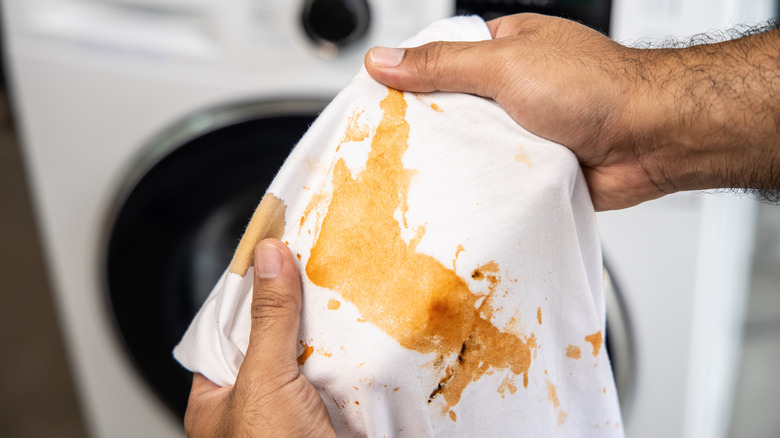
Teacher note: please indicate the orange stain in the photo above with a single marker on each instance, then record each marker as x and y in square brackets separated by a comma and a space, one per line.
[453, 416]
[552, 394]
[355, 131]
[334, 304]
[573, 351]
[458, 250]
[539, 315]
[507, 385]
[513, 323]
[307, 351]
[412, 297]
[316, 200]
[436, 108]
[596, 340]
[419, 232]
[523, 158]
[489, 270]
[531, 341]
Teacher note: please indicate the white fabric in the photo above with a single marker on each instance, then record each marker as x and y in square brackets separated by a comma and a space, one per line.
[481, 189]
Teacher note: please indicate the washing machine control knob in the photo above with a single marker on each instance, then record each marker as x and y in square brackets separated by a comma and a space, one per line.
[335, 22]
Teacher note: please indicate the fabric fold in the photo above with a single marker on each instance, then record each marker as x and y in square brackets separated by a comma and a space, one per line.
[451, 270]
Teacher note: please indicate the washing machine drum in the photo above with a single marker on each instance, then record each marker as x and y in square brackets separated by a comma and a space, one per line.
[184, 208]
[181, 214]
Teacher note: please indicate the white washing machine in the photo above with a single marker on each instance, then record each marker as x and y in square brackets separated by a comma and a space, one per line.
[682, 262]
[124, 106]
[151, 128]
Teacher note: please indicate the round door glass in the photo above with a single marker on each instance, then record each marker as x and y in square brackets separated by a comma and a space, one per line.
[179, 221]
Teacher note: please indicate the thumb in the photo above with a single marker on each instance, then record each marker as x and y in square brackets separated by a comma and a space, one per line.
[276, 314]
[464, 67]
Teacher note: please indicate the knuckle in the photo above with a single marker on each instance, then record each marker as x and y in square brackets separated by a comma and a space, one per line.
[498, 74]
[430, 63]
[270, 304]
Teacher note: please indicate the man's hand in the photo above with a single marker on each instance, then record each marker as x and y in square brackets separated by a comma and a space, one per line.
[643, 123]
[270, 397]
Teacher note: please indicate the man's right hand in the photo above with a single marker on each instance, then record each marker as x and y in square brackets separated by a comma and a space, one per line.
[643, 123]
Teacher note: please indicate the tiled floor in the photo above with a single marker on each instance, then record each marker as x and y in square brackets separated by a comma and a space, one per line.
[36, 394]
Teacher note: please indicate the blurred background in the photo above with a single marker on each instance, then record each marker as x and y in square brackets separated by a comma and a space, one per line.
[136, 137]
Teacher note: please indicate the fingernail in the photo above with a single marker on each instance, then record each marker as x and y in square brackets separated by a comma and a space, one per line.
[268, 261]
[386, 57]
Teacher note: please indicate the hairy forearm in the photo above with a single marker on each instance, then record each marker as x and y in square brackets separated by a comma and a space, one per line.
[709, 115]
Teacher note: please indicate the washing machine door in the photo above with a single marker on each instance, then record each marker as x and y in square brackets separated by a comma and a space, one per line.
[177, 220]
